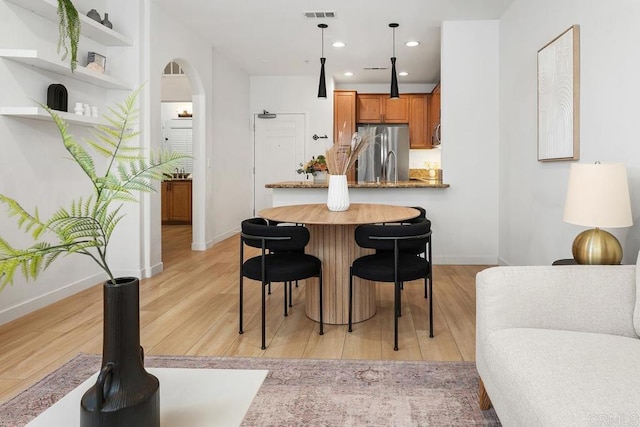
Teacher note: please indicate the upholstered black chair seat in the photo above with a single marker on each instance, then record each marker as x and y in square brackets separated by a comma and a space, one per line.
[380, 267]
[283, 266]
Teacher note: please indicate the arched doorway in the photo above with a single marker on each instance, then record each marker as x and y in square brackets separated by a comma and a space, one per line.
[182, 128]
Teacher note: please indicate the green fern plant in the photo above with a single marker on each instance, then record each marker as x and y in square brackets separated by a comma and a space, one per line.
[86, 226]
[69, 29]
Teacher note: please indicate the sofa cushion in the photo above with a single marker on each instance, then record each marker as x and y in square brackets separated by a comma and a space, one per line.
[563, 378]
[636, 312]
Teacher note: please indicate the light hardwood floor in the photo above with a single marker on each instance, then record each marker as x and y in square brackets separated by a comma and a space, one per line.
[192, 309]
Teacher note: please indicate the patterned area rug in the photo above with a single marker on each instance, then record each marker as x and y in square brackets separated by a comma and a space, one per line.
[303, 392]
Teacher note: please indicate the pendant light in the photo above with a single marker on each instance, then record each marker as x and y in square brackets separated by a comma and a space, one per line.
[322, 86]
[394, 93]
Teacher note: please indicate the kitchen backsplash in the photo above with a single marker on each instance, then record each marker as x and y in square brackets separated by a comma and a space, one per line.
[422, 159]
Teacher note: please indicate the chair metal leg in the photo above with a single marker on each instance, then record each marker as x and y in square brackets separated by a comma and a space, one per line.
[240, 331]
[396, 303]
[350, 296]
[291, 294]
[425, 288]
[431, 308]
[264, 317]
[321, 308]
[284, 286]
[269, 288]
[400, 299]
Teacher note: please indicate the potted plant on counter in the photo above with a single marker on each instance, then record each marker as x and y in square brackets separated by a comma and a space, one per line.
[125, 394]
[317, 167]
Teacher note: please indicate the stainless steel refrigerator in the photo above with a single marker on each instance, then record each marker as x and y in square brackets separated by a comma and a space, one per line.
[377, 161]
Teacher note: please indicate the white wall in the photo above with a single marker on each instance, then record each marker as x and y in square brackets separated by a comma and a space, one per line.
[465, 216]
[33, 165]
[532, 193]
[297, 95]
[221, 195]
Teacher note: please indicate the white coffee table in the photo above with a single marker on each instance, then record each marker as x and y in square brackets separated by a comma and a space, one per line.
[188, 397]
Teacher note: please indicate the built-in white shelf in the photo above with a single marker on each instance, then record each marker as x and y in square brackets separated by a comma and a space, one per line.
[35, 59]
[88, 27]
[39, 113]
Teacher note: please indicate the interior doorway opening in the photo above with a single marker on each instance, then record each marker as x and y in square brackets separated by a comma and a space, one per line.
[177, 109]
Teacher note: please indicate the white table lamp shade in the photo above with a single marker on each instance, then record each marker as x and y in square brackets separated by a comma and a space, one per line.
[598, 196]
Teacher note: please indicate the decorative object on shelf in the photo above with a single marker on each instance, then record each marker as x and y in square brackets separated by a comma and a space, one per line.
[86, 228]
[57, 97]
[314, 166]
[87, 110]
[559, 98]
[598, 196]
[69, 29]
[96, 62]
[394, 93]
[125, 394]
[79, 109]
[184, 114]
[94, 112]
[338, 194]
[106, 21]
[322, 86]
[93, 14]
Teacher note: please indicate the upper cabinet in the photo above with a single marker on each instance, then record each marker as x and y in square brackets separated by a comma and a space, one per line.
[379, 108]
[434, 115]
[419, 133]
[344, 114]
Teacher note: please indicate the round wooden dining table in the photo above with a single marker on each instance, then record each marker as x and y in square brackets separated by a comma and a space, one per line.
[332, 241]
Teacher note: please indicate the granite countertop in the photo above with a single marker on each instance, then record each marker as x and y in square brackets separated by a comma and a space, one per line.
[414, 183]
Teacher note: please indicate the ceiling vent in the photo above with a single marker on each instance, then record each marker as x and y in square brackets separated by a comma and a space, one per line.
[320, 15]
[374, 68]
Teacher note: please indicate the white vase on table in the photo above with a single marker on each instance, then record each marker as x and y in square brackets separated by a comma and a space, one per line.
[338, 194]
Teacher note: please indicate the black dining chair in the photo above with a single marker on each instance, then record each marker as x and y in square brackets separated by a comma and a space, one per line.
[282, 259]
[426, 254]
[397, 259]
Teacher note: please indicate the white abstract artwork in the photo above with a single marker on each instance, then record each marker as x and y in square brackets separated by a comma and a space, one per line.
[559, 97]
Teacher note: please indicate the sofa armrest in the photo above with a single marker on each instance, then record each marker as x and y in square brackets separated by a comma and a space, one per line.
[578, 298]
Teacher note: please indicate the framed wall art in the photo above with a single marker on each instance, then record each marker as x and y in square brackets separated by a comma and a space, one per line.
[559, 97]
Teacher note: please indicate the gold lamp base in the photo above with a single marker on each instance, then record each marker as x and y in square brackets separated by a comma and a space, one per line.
[598, 247]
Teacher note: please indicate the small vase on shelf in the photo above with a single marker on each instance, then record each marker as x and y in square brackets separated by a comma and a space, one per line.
[106, 21]
[338, 194]
[93, 14]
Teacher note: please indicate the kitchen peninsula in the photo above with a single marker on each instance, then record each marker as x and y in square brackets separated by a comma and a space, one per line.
[407, 193]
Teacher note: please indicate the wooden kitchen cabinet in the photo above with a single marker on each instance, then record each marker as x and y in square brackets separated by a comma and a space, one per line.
[379, 108]
[344, 114]
[434, 114]
[176, 202]
[419, 132]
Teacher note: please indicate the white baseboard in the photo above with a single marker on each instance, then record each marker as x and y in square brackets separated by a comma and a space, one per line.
[153, 270]
[203, 246]
[26, 307]
[465, 260]
[502, 261]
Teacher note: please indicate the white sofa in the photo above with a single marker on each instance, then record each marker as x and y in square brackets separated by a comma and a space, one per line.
[560, 345]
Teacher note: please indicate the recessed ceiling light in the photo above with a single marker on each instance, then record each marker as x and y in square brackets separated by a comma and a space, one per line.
[348, 74]
[412, 43]
[403, 73]
[265, 61]
[338, 44]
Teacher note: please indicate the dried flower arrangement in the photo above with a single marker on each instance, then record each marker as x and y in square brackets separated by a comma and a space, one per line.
[341, 157]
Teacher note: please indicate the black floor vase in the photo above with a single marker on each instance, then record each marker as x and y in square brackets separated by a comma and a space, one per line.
[125, 395]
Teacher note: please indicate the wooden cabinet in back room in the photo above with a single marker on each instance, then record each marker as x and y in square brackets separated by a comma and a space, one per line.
[176, 202]
[344, 114]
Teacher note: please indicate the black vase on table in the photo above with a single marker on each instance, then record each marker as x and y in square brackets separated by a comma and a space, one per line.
[124, 394]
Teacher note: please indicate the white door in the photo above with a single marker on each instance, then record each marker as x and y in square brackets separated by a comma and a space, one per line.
[278, 151]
